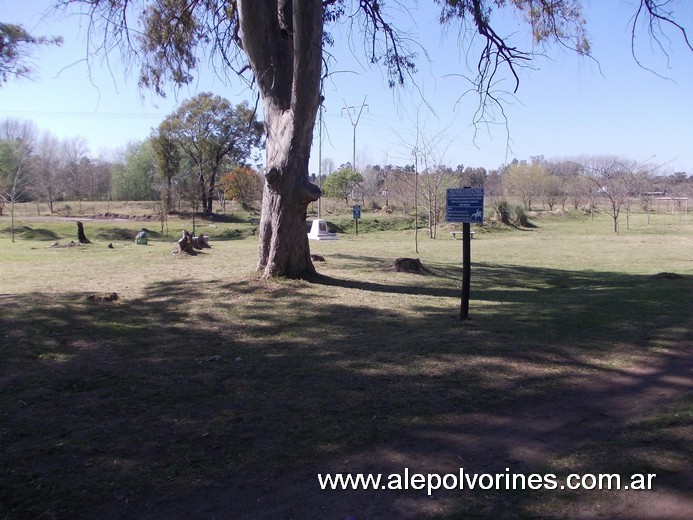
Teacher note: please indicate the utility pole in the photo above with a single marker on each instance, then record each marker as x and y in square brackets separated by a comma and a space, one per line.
[415, 153]
[354, 124]
[320, 162]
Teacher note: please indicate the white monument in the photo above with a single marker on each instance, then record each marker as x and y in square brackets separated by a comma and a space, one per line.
[319, 231]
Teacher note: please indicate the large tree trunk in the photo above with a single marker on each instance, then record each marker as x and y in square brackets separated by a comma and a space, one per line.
[210, 194]
[283, 42]
[202, 188]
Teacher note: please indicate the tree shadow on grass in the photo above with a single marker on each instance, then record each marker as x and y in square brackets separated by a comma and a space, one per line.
[227, 400]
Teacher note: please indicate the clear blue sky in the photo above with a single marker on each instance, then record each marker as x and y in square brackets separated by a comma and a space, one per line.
[566, 107]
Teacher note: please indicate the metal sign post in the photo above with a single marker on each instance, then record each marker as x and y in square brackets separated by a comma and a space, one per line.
[465, 205]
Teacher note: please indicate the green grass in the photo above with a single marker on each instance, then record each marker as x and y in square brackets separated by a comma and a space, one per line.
[202, 377]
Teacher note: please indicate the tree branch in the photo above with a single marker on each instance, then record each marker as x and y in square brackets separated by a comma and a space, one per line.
[657, 15]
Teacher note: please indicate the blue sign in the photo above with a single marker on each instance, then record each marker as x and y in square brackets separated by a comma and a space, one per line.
[465, 205]
[357, 211]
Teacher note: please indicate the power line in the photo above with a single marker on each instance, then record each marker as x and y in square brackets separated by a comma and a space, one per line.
[80, 115]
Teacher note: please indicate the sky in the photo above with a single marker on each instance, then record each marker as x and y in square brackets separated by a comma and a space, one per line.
[566, 106]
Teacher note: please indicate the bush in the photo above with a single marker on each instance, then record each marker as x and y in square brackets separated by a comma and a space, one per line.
[502, 211]
[511, 215]
[520, 218]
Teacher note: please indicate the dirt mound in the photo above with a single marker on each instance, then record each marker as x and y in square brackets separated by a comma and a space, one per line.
[116, 216]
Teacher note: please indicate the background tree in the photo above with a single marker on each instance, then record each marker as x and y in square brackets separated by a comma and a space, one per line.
[433, 183]
[493, 185]
[242, 184]
[399, 184]
[75, 155]
[372, 185]
[573, 183]
[19, 140]
[614, 180]
[212, 132]
[15, 155]
[280, 42]
[46, 182]
[526, 181]
[167, 163]
[474, 177]
[551, 191]
[342, 183]
[133, 176]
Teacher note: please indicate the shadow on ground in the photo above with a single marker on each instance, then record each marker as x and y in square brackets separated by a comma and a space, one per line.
[226, 401]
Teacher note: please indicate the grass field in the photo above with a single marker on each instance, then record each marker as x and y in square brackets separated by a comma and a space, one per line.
[205, 392]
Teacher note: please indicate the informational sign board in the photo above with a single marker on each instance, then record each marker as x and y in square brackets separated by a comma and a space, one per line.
[356, 209]
[465, 205]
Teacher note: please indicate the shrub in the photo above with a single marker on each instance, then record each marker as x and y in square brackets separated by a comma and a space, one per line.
[502, 211]
[519, 216]
[511, 215]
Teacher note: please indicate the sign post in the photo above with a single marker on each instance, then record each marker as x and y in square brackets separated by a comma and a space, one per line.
[356, 209]
[465, 205]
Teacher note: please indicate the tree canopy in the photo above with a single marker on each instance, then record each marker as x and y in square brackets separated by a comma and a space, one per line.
[210, 131]
[342, 183]
[242, 184]
[132, 179]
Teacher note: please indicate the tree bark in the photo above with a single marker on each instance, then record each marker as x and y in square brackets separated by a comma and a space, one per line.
[283, 42]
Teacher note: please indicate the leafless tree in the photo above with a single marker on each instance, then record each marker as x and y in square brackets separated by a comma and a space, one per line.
[17, 168]
[46, 182]
[614, 180]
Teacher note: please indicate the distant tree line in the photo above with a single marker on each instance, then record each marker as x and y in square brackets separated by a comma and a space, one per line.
[610, 183]
[181, 163]
[203, 150]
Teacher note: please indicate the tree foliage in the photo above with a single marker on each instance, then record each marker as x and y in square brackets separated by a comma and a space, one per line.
[242, 184]
[211, 132]
[167, 162]
[17, 142]
[342, 184]
[133, 176]
[15, 50]
[15, 155]
[526, 180]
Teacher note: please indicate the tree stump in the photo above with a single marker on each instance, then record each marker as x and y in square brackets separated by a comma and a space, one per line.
[81, 237]
[408, 265]
[201, 242]
[185, 244]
